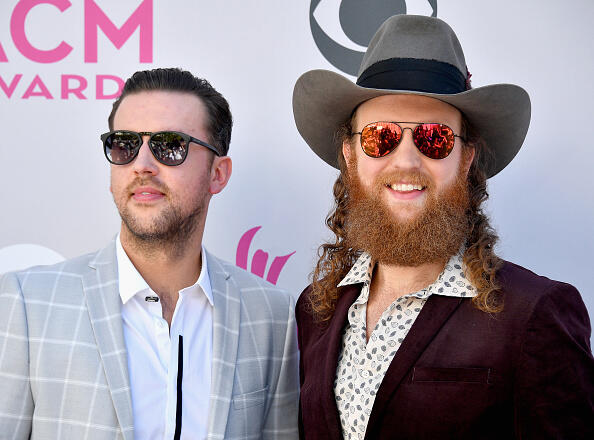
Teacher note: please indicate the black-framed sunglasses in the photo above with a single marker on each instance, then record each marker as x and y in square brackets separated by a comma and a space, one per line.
[169, 147]
[434, 140]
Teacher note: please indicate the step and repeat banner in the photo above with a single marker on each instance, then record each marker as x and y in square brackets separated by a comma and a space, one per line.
[63, 62]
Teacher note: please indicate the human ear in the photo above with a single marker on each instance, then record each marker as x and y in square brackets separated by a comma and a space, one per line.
[220, 172]
[468, 156]
[346, 150]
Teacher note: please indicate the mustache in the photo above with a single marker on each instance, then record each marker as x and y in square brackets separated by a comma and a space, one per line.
[413, 177]
[390, 176]
[147, 181]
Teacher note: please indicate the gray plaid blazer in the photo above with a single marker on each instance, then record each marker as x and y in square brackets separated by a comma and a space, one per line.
[63, 360]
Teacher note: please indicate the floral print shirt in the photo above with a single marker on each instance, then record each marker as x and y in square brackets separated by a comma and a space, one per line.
[362, 364]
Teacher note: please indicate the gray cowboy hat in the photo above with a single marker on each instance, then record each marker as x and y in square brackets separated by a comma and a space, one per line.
[414, 55]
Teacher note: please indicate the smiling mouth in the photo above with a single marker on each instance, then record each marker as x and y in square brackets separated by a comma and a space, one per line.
[406, 187]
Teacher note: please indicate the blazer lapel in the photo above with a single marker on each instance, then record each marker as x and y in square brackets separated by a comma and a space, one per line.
[328, 347]
[225, 339]
[100, 285]
[433, 316]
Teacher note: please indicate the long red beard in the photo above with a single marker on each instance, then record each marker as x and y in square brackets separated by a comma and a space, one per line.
[433, 235]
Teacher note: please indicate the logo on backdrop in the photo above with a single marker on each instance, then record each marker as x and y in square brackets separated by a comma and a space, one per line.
[21, 256]
[260, 258]
[73, 86]
[342, 29]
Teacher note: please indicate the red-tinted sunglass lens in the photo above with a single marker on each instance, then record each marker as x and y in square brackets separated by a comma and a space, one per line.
[380, 138]
[435, 141]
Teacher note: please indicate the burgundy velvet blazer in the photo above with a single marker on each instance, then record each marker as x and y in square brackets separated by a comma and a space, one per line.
[525, 373]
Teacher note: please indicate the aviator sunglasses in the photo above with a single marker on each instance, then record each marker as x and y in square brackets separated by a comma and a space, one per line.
[436, 141]
[169, 147]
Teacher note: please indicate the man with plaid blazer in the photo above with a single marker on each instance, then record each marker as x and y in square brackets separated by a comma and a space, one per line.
[152, 336]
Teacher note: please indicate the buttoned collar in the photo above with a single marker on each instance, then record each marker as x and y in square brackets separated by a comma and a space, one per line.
[131, 282]
[450, 282]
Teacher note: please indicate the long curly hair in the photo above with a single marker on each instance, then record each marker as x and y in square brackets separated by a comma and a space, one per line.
[482, 264]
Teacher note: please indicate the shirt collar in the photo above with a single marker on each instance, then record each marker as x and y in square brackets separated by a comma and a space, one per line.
[360, 272]
[131, 282]
[450, 282]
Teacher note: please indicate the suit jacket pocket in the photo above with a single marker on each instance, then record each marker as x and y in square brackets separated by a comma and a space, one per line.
[252, 398]
[459, 375]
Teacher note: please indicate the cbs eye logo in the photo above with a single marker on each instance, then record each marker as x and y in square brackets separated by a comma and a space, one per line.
[342, 29]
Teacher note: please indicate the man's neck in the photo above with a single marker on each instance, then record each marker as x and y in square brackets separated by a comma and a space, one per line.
[392, 282]
[165, 269]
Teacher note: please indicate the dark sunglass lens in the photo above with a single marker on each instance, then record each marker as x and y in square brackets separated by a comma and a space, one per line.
[380, 139]
[435, 141]
[121, 147]
[169, 148]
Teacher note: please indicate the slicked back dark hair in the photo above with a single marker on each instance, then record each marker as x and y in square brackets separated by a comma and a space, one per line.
[173, 79]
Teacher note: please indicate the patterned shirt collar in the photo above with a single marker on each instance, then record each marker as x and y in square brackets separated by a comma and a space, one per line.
[450, 282]
[360, 272]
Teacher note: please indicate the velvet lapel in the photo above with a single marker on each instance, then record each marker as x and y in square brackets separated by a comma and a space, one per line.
[435, 313]
[328, 347]
[100, 285]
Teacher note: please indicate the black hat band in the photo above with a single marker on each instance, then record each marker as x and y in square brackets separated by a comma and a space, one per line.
[428, 76]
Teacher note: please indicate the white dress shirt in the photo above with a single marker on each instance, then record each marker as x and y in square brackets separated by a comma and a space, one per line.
[362, 364]
[153, 354]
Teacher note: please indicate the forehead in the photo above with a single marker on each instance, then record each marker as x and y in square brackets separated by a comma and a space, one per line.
[407, 108]
[161, 110]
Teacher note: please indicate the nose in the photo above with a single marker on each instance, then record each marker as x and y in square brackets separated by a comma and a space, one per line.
[406, 155]
[145, 162]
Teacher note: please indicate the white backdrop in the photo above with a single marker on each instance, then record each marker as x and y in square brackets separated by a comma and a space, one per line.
[54, 178]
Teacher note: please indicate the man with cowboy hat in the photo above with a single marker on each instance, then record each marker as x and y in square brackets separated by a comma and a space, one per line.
[413, 327]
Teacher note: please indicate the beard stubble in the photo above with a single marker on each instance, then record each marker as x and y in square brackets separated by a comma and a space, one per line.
[170, 231]
[433, 235]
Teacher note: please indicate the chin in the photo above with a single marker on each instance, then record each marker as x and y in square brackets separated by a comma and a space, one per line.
[140, 224]
[406, 217]
[405, 212]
